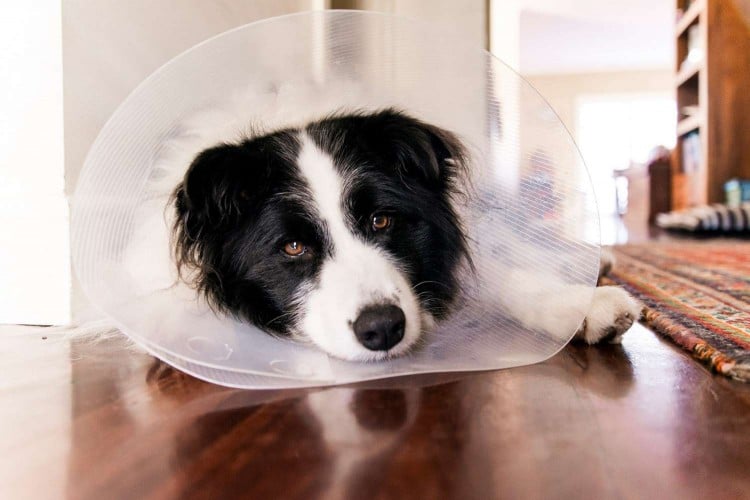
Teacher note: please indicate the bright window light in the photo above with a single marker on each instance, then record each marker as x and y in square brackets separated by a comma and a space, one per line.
[616, 132]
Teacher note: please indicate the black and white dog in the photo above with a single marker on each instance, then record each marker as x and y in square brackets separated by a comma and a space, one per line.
[342, 232]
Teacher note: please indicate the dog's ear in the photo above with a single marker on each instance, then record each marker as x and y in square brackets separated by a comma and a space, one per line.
[449, 153]
[219, 184]
[420, 150]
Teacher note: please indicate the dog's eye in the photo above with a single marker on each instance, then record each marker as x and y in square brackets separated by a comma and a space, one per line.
[380, 222]
[295, 248]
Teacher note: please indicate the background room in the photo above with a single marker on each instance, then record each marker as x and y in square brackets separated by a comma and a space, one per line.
[608, 73]
[653, 94]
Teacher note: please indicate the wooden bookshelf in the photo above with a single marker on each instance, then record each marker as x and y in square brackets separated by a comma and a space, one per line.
[713, 99]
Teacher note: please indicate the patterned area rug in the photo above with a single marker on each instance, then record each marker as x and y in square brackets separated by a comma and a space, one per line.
[696, 293]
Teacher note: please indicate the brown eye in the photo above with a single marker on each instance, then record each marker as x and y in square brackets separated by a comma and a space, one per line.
[294, 249]
[380, 222]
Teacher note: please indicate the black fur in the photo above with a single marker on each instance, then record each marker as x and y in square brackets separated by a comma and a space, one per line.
[240, 203]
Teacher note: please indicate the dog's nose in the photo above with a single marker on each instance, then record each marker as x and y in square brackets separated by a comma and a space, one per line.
[379, 328]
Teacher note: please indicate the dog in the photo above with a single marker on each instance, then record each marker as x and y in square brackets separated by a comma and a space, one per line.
[344, 232]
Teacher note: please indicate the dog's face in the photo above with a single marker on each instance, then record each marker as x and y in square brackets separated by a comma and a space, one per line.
[342, 233]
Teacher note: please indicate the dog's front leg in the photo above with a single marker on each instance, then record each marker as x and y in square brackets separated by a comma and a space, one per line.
[613, 310]
[541, 301]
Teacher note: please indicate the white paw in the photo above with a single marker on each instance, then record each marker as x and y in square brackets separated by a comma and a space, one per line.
[612, 313]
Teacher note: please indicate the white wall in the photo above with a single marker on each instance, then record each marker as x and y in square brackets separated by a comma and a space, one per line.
[562, 91]
[110, 46]
[467, 18]
[574, 36]
[34, 257]
[505, 31]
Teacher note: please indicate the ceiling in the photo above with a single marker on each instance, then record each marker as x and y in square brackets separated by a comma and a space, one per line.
[579, 36]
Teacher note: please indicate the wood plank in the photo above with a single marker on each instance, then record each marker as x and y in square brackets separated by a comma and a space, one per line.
[689, 17]
[687, 73]
[689, 124]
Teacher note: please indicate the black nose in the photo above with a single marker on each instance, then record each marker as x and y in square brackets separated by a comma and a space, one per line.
[380, 327]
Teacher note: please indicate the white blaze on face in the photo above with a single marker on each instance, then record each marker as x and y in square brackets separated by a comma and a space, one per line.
[358, 275]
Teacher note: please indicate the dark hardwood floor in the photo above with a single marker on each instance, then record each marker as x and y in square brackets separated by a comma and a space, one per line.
[641, 420]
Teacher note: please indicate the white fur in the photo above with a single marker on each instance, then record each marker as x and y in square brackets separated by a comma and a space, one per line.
[358, 274]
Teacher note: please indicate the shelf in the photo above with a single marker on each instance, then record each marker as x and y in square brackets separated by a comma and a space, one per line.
[688, 73]
[690, 16]
[712, 99]
[687, 125]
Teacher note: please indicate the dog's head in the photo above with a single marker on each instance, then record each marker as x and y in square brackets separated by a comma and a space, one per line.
[343, 232]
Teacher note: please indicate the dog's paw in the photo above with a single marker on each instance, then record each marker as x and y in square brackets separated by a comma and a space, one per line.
[613, 311]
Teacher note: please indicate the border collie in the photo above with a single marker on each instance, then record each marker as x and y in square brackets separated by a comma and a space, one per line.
[342, 232]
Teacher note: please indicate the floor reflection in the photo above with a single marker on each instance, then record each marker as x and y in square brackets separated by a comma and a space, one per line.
[361, 428]
[151, 430]
[605, 369]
